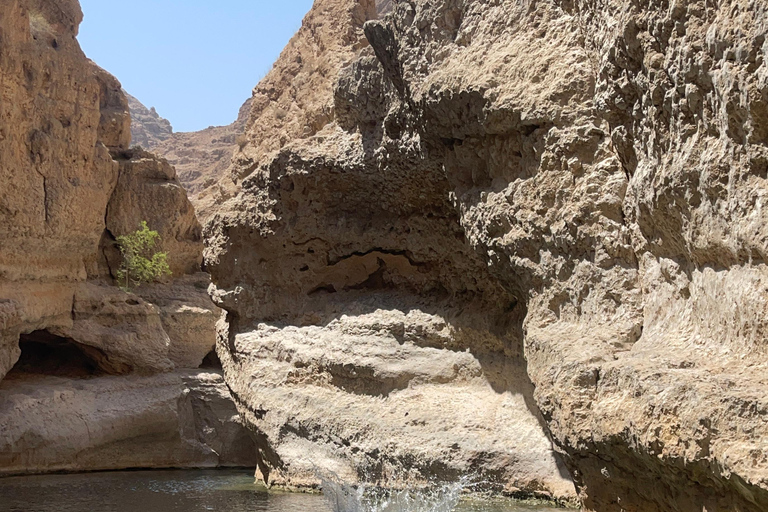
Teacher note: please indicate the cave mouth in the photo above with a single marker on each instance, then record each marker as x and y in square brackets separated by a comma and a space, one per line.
[43, 353]
[211, 361]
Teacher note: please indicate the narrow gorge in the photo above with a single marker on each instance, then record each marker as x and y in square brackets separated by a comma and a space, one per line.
[520, 241]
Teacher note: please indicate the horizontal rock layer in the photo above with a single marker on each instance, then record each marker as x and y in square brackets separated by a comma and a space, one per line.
[570, 189]
[174, 420]
[87, 388]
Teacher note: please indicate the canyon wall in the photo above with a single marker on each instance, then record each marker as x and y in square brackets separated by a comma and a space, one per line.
[94, 377]
[201, 158]
[365, 336]
[488, 226]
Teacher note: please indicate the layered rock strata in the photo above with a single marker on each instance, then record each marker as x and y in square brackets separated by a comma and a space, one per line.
[87, 366]
[550, 210]
[366, 337]
[51, 423]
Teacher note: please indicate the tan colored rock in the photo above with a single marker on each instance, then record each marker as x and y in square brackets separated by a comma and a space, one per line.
[188, 317]
[173, 420]
[577, 183]
[69, 186]
[390, 393]
[201, 158]
[148, 190]
[125, 328]
[59, 117]
[293, 101]
[364, 334]
[148, 129]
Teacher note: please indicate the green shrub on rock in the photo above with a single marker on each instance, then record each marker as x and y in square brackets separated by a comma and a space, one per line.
[141, 264]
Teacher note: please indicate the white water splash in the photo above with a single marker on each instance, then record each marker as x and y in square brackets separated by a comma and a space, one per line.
[343, 497]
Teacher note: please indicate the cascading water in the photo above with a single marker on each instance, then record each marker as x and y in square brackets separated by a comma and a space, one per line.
[343, 497]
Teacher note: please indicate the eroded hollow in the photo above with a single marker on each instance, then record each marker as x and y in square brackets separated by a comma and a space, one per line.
[43, 353]
[211, 361]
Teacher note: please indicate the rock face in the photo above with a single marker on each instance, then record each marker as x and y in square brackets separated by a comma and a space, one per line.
[363, 330]
[203, 158]
[550, 210]
[86, 364]
[60, 116]
[200, 158]
[148, 129]
[168, 420]
[148, 190]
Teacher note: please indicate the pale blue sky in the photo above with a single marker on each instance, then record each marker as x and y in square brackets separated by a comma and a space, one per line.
[196, 61]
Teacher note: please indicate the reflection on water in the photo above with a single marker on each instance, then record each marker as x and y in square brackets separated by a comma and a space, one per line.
[170, 491]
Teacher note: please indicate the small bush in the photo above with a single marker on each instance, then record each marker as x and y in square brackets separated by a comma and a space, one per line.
[141, 264]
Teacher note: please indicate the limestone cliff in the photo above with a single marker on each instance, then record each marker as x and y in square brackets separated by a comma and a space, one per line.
[504, 223]
[201, 158]
[365, 334]
[80, 358]
[148, 129]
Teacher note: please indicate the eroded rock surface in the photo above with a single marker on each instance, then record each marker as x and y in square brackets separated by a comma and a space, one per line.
[570, 190]
[364, 332]
[85, 363]
[200, 158]
[181, 419]
[60, 116]
[148, 129]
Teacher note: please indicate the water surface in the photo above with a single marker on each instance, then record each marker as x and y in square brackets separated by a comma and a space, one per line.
[173, 491]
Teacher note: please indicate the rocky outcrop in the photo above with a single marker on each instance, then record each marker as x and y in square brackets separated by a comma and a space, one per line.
[200, 158]
[85, 364]
[550, 210]
[181, 419]
[148, 190]
[364, 332]
[148, 129]
[203, 158]
[55, 165]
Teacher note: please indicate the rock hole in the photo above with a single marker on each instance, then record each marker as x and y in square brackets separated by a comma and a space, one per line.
[43, 353]
[325, 288]
[529, 129]
[211, 361]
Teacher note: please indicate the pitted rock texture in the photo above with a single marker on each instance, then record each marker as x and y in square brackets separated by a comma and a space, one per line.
[570, 188]
[364, 331]
[60, 116]
[86, 363]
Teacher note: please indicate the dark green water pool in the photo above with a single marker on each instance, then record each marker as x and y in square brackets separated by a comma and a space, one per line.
[176, 491]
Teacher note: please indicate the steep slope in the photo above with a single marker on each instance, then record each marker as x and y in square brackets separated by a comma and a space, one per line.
[94, 377]
[200, 158]
[365, 336]
[148, 129]
[550, 210]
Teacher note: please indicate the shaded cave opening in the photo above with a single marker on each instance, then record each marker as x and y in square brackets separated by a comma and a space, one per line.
[211, 361]
[45, 354]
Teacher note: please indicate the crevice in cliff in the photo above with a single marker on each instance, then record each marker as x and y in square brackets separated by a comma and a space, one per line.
[46, 200]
